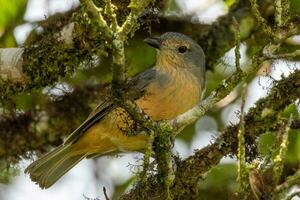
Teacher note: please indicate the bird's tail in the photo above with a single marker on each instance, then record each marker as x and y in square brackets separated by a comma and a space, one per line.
[50, 167]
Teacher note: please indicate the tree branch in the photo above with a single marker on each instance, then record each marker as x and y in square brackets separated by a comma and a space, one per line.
[290, 181]
[47, 124]
[200, 109]
[280, 157]
[72, 33]
[257, 122]
[11, 59]
[11, 64]
[95, 14]
[267, 29]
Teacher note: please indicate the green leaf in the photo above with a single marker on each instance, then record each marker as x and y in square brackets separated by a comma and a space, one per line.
[293, 152]
[220, 182]
[295, 6]
[11, 14]
[265, 142]
[7, 172]
[10, 11]
[229, 3]
[290, 111]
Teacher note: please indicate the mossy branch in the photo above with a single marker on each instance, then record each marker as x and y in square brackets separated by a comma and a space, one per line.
[62, 31]
[278, 12]
[130, 24]
[267, 29]
[282, 8]
[202, 107]
[237, 45]
[96, 15]
[284, 55]
[147, 155]
[110, 11]
[242, 166]
[256, 123]
[280, 157]
[283, 188]
[181, 121]
[163, 135]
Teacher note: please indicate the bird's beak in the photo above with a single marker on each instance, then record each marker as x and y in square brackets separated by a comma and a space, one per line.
[153, 41]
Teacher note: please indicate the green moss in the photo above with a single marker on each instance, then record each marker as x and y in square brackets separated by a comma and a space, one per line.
[162, 147]
[46, 63]
[6, 172]
[46, 59]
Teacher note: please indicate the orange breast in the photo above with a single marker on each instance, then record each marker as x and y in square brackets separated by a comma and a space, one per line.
[167, 99]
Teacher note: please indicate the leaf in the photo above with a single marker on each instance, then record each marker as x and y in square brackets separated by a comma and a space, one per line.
[11, 14]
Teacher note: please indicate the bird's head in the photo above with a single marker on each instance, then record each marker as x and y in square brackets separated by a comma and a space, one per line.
[177, 50]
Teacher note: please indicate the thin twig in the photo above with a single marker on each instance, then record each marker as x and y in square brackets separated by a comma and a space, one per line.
[278, 12]
[242, 171]
[105, 194]
[267, 29]
[242, 167]
[290, 181]
[293, 194]
[203, 106]
[279, 159]
[284, 55]
[136, 113]
[285, 4]
[256, 183]
[163, 140]
[110, 12]
[237, 44]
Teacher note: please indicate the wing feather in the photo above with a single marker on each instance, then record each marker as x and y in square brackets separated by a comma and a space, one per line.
[135, 88]
[96, 115]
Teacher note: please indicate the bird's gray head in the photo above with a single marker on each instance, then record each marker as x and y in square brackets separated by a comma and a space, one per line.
[177, 50]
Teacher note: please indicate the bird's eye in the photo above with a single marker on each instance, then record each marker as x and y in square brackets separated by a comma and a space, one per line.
[182, 49]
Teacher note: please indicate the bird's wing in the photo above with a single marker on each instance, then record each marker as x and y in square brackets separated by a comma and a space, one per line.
[135, 88]
[95, 116]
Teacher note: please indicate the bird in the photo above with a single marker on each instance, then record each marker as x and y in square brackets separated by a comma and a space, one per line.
[171, 87]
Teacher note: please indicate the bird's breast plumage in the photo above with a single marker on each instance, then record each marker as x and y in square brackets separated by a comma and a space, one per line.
[173, 92]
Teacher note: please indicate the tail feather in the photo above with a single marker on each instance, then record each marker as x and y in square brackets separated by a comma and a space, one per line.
[39, 164]
[50, 167]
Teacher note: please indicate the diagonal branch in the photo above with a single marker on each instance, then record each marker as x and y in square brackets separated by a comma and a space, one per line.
[200, 109]
[71, 41]
[190, 170]
[290, 181]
